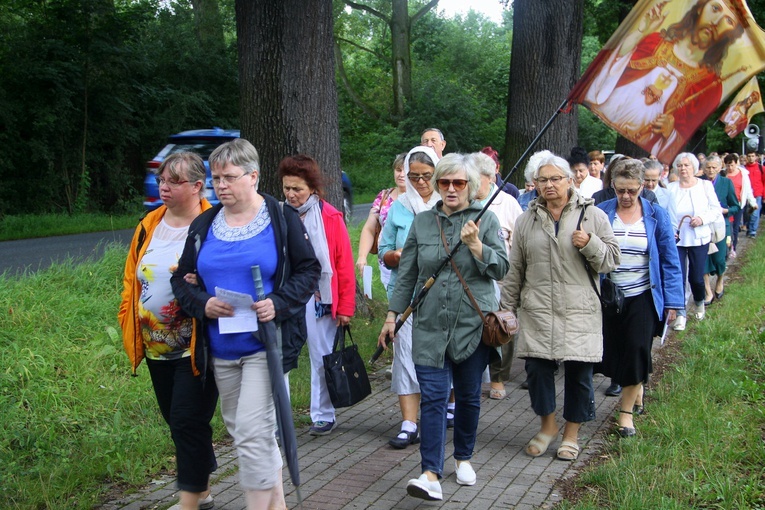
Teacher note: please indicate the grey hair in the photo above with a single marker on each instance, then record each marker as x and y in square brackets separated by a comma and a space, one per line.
[239, 152]
[653, 164]
[690, 157]
[190, 161]
[628, 169]
[546, 158]
[712, 159]
[453, 163]
[433, 129]
[483, 163]
[399, 161]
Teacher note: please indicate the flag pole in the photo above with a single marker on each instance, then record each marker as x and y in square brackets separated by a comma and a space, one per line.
[430, 281]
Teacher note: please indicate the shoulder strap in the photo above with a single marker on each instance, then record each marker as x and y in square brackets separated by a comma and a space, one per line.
[457, 272]
[587, 264]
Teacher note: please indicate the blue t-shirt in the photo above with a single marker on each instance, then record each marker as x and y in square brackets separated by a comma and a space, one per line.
[225, 261]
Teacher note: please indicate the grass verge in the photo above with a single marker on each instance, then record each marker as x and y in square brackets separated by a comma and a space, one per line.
[74, 423]
[29, 226]
[701, 443]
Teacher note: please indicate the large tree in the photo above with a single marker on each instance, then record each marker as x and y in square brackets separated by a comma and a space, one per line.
[400, 23]
[287, 86]
[543, 69]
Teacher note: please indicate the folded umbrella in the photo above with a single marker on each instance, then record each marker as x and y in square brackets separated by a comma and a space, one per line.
[267, 336]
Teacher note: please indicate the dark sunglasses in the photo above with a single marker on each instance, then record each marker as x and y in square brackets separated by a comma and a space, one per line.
[459, 184]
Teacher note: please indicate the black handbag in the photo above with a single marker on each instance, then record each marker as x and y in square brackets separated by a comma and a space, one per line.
[611, 296]
[346, 375]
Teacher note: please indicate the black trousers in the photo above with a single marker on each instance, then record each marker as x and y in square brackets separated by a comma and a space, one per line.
[187, 407]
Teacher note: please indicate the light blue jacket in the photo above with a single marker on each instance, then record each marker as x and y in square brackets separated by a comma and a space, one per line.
[663, 261]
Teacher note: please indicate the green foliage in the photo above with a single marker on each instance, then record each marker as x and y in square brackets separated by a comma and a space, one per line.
[101, 86]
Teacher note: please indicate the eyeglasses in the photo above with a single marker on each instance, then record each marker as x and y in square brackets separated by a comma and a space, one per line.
[424, 177]
[459, 184]
[228, 179]
[172, 184]
[630, 192]
[555, 180]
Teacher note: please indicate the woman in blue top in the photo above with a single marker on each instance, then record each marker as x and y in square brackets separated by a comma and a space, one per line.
[246, 229]
[419, 166]
[650, 276]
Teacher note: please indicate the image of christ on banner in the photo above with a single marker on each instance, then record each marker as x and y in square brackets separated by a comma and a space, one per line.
[668, 67]
[746, 104]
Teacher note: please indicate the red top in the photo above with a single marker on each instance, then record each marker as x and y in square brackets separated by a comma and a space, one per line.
[756, 178]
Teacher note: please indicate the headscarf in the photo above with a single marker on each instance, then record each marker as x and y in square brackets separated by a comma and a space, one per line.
[412, 199]
[314, 227]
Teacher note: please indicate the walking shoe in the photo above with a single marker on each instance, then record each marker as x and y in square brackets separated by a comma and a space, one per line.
[679, 324]
[525, 384]
[404, 439]
[700, 312]
[449, 419]
[424, 489]
[614, 390]
[322, 428]
[464, 472]
[732, 253]
[204, 504]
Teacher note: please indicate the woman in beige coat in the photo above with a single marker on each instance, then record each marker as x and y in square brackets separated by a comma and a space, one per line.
[558, 311]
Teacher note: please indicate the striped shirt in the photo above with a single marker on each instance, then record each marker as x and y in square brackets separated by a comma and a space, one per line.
[632, 274]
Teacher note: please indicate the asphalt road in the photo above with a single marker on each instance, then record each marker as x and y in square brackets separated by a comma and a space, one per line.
[30, 255]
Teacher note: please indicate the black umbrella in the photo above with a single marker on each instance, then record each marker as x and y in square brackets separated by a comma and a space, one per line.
[267, 336]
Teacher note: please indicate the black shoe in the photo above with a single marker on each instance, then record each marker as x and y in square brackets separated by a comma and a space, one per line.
[626, 431]
[399, 442]
[638, 410]
[614, 390]
[449, 421]
[525, 385]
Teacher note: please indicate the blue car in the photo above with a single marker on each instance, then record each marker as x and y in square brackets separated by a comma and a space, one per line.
[203, 142]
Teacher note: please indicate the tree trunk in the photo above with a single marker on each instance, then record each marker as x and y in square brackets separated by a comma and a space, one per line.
[287, 84]
[547, 41]
[401, 58]
[208, 24]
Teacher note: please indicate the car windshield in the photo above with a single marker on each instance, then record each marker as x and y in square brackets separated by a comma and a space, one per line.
[201, 147]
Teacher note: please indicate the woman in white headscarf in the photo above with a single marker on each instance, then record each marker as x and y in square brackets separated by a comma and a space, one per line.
[419, 167]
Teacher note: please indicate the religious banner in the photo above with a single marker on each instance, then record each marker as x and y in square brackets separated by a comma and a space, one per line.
[668, 67]
[746, 104]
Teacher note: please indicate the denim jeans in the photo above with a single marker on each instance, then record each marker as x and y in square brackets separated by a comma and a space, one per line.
[738, 218]
[578, 393]
[435, 386]
[754, 219]
[693, 261]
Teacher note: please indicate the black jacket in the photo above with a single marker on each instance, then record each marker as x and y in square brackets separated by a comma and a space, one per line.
[297, 268]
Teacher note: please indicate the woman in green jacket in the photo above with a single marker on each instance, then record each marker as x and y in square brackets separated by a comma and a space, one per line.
[446, 329]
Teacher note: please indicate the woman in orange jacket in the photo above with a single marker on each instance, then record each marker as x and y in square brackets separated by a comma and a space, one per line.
[154, 326]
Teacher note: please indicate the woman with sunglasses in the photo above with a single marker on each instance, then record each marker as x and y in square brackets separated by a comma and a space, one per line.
[154, 326]
[650, 277]
[446, 328]
[419, 167]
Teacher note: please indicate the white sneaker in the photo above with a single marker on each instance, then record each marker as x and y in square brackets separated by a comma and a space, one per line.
[464, 472]
[204, 504]
[700, 312]
[424, 489]
[679, 324]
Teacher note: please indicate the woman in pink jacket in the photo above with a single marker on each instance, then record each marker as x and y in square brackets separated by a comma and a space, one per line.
[334, 301]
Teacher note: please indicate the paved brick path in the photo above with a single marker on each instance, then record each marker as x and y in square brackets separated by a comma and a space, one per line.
[354, 468]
